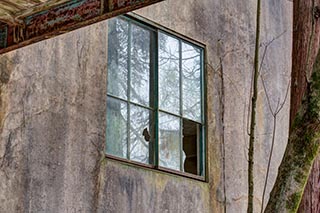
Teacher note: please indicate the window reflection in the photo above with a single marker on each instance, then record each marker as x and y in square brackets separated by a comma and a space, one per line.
[191, 82]
[169, 141]
[140, 65]
[117, 127]
[140, 135]
[117, 58]
[169, 75]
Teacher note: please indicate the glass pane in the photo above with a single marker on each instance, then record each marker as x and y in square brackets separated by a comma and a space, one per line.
[140, 65]
[116, 127]
[117, 58]
[169, 83]
[169, 141]
[191, 82]
[140, 134]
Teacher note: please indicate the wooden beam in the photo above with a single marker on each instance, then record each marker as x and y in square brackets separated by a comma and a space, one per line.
[61, 19]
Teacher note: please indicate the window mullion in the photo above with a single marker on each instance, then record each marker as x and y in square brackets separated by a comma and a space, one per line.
[156, 100]
[201, 141]
[202, 86]
[129, 89]
[181, 107]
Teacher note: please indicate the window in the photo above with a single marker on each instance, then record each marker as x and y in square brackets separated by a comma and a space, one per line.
[155, 103]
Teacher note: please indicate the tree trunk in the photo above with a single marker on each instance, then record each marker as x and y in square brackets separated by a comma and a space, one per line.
[303, 140]
[306, 35]
[310, 201]
[305, 38]
[301, 150]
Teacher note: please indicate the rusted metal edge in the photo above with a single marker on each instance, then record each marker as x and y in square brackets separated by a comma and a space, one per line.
[63, 18]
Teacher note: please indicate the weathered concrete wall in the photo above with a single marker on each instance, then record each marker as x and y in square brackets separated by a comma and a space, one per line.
[53, 137]
[228, 30]
[132, 189]
[53, 120]
[53, 101]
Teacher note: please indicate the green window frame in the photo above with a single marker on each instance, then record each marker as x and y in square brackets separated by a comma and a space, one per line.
[155, 98]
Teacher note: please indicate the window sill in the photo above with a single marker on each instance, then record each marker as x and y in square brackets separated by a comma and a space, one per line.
[156, 169]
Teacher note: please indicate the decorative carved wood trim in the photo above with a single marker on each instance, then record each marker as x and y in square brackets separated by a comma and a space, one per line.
[62, 18]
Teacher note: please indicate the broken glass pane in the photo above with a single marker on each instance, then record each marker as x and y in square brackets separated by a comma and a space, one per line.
[117, 58]
[191, 82]
[116, 127]
[169, 141]
[140, 65]
[169, 76]
[140, 134]
[191, 136]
